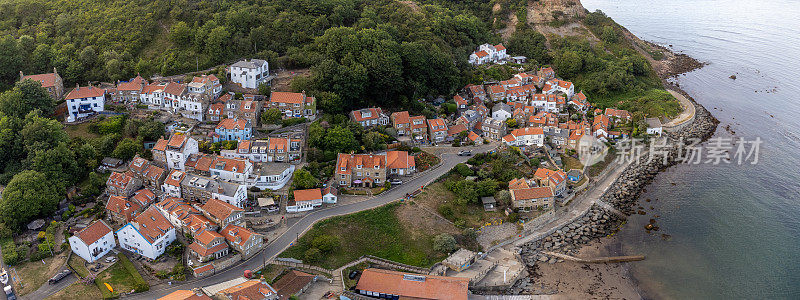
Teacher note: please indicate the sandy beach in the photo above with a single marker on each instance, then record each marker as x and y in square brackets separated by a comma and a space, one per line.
[571, 280]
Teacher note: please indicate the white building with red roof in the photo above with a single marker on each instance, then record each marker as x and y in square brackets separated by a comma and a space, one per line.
[555, 179]
[148, 234]
[488, 53]
[173, 153]
[558, 85]
[294, 105]
[84, 101]
[92, 242]
[304, 200]
[528, 136]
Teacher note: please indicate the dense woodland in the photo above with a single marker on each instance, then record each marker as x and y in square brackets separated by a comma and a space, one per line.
[384, 52]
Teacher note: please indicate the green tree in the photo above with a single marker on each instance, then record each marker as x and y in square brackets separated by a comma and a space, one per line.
[151, 130]
[58, 164]
[26, 96]
[29, 194]
[271, 116]
[126, 149]
[41, 133]
[181, 34]
[340, 139]
[373, 140]
[444, 243]
[325, 243]
[264, 89]
[303, 179]
[312, 255]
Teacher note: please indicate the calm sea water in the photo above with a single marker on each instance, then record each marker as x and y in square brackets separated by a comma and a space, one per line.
[734, 230]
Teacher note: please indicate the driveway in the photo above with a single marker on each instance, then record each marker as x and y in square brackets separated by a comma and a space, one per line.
[297, 228]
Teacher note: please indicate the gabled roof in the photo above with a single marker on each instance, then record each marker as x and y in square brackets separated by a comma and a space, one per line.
[144, 197]
[399, 160]
[236, 235]
[532, 193]
[249, 290]
[185, 295]
[219, 209]
[374, 113]
[174, 178]
[174, 88]
[556, 177]
[292, 283]
[351, 161]
[46, 80]
[122, 206]
[413, 286]
[134, 84]
[307, 195]
[287, 97]
[401, 117]
[85, 92]
[233, 124]
[481, 54]
[152, 224]
[456, 129]
[176, 141]
[93, 232]
[120, 180]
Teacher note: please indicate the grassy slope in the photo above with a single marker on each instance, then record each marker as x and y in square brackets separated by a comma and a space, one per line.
[376, 232]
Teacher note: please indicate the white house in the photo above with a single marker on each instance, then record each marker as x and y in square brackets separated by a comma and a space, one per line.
[501, 111]
[152, 95]
[305, 200]
[527, 136]
[330, 195]
[249, 74]
[557, 85]
[172, 184]
[92, 242]
[84, 101]
[653, 126]
[148, 235]
[487, 53]
[174, 152]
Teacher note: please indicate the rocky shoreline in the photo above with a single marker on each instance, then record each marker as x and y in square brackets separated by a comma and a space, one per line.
[623, 195]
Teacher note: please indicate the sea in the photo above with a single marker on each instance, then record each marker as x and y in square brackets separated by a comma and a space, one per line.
[727, 230]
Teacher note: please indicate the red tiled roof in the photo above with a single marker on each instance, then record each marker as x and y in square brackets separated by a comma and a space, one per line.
[122, 206]
[161, 145]
[173, 88]
[219, 209]
[176, 141]
[134, 85]
[499, 47]
[85, 92]
[152, 224]
[287, 97]
[307, 195]
[249, 290]
[532, 193]
[46, 80]
[174, 178]
[456, 129]
[401, 117]
[232, 232]
[413, 286]
[186, 294]
[399, 160]
[144, 197]
[232, 124]
[292, 283]
[93, 232]
[481, 53]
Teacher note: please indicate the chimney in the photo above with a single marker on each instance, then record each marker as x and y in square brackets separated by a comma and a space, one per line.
[21, 75]
[54, 71]
[77, 86]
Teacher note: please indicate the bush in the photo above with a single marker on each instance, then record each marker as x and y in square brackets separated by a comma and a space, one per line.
[139, 285]
[325, 243]
[312, 255]
[444, 243]
[10, 254]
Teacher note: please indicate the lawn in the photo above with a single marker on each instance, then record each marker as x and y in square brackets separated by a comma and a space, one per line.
[122, 276]
[598, 167]
[439, 199]
[80, 130]
[77, 290]
[571, 163]
[377, 232]
[34, 274]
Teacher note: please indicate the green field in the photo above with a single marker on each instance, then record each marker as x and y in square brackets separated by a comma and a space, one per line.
[377, 232]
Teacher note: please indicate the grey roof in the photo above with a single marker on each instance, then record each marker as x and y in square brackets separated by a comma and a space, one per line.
[555, 132]
[211, 185]
[488, 200]
[653, 122]
[268, 169]
[501, 106]
[252, 64]
[574, 172]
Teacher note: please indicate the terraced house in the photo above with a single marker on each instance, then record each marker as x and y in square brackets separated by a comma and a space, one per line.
[294, 105]
[200, 188]
[232, 130]
[85, 101]
[370, 170]
[369, 117]
[173, 153]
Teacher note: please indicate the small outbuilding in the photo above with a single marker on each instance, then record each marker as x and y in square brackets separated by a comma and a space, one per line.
[489, 203]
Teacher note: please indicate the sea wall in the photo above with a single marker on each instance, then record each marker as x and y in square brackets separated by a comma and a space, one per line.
[623, 195]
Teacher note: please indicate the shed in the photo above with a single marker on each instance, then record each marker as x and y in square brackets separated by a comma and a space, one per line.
[111, 162]
[489, 203]
[574, 175]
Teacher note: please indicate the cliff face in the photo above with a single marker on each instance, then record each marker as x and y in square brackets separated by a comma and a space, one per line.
[545, 11]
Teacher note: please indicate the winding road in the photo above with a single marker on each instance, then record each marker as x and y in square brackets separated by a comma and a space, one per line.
[299, 227]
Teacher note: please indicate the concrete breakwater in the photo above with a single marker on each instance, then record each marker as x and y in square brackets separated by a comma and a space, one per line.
[623, 195]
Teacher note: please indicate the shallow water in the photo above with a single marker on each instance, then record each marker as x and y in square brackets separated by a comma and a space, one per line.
[734, 230]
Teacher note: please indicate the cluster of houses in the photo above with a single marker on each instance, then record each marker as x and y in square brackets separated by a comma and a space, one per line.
[538, 192]
[155, 205]
[291, 283]
[536, 101]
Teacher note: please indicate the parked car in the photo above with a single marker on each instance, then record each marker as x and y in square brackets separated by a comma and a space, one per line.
[395, 181]
[9, 293]
[464, 153]
[353, 274]
[59, 276]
